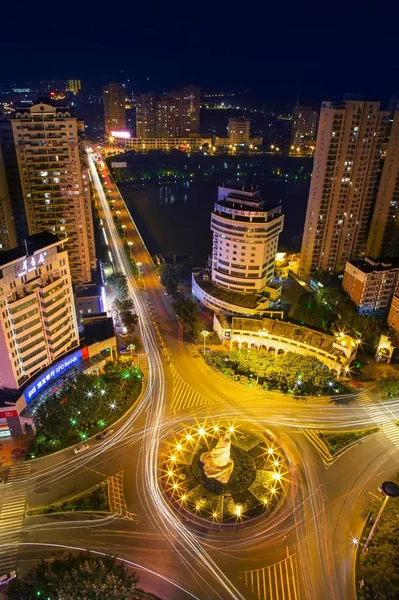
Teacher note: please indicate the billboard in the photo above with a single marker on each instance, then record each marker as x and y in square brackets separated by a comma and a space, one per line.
[121, 135]
[52, 373]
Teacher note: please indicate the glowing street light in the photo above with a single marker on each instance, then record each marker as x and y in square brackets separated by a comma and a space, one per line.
[130, 244]
[390, 490]
[138, 265]
[205, 334]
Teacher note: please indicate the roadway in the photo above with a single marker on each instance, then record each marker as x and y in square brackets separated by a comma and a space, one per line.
[303, 551]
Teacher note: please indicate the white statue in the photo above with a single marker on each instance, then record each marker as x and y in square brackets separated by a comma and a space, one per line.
[217, 463]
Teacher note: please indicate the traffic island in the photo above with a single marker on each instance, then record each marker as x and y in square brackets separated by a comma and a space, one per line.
[224, 474]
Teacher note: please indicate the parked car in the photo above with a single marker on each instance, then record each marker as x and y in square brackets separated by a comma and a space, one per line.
[81, 448]
[7, 577]
[105, 434]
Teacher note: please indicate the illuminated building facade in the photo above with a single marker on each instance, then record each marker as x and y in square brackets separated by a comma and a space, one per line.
[351, 178]
[393, 316]
[8, 237]
[239, 131]
[74, 86]
[53, 182]
[181, 143]
[173, 115]
[37, 314]
[245, 241]
[371, 284]
[304, 126]
[114, 108]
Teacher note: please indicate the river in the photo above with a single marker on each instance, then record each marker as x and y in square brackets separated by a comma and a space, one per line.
[175, 217]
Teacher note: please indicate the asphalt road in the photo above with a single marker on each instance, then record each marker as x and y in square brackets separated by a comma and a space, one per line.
[304, 550]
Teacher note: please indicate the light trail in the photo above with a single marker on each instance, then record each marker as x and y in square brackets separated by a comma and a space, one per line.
[165, 518]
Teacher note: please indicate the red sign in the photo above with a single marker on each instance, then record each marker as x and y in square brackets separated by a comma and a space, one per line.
[8, 413]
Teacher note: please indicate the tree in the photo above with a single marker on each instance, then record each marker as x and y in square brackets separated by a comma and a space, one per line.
[74, 577]
[129, 320]
[170, 277]
[380, 567]
[186, 311]
[389, 386]
[118, 284]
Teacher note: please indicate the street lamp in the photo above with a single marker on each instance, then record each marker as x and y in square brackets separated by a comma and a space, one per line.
[130, 244]
[138, 265]
[124, 230]
[205, 334]
[390, 490]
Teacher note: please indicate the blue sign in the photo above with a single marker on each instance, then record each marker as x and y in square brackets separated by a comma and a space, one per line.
[52, 373]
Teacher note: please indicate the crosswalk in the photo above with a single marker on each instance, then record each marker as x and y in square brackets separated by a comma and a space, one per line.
[381, 416]
[11, 515]
[275, 582]
[184, 396]
[193, 348]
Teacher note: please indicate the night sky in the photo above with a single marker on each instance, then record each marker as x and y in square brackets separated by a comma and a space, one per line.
[276, 55]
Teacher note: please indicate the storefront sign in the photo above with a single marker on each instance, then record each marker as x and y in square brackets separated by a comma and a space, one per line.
[8, 414]
[52, 373]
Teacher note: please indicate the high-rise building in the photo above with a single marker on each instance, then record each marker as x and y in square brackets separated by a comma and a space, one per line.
[146, 120]
[8, 238]
[245, 240]
[74, 86]
[46, 168]
[352, 145]
[37, 314]
[192, 99]
[114, 108]
[175, 114]
[304, 125]
[239, 131]
[383, 237]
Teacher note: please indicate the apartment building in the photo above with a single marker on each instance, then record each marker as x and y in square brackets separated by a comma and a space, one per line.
[114, 108]
[371, 284]
[37, 314]
[48, 180]
[355, 145]
[239, 131]
[304, 126]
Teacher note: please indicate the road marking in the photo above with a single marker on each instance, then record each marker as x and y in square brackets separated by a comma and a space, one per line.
[275, 582]
[184, 396]
[381, 416]
[193, 348]
[12, 515]
[320, 446]
[116, 497]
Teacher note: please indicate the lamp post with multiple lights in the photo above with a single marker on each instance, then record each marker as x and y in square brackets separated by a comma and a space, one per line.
[205, 334]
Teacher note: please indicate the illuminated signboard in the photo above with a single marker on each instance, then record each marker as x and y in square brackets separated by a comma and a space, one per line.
[30, 264]
[52, 373]
[122, 135]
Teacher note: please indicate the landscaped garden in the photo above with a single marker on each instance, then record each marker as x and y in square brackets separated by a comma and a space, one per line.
[336, 442]
[290, 372]
[93, 500]
[85, 405]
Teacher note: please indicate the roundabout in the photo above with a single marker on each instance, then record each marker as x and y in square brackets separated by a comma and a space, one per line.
[224, 474]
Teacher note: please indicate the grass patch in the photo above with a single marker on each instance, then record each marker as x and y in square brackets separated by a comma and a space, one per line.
[93, 500]
[336, 442]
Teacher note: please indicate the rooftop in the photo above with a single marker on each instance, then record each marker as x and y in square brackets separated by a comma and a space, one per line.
[31, 244]
[89, 290]
[98, 331]
[245, 300]
[369, 265]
